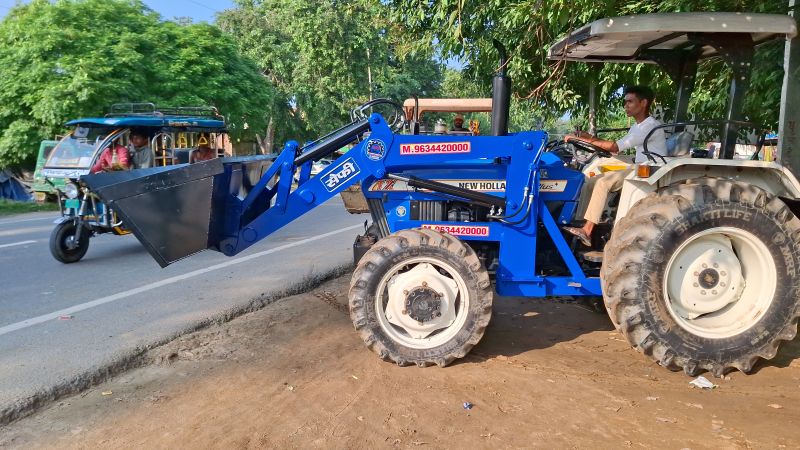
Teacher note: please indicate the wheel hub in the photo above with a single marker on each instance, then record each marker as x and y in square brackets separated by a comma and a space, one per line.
[69, 243]
[705, 277]
[421, 301]
[423, 304]
[708, 278]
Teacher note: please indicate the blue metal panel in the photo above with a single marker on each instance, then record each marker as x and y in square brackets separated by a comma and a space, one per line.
[549, 287]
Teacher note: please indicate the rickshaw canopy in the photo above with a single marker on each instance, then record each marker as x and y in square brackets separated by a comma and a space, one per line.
[147, 115]
[176, 123]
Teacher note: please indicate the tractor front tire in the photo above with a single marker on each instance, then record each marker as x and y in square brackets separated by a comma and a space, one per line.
[704, 276]
[420, 297]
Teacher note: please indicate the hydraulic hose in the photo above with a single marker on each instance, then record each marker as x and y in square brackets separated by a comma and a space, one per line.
[525, 198]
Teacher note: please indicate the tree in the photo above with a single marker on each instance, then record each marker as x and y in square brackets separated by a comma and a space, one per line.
[74, 58]
[528, 27]
[321, 63]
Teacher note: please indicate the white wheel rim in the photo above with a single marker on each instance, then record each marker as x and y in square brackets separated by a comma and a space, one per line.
[406, 279]
[720, 282]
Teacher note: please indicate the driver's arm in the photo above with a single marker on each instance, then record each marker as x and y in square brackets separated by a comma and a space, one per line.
[609, 146]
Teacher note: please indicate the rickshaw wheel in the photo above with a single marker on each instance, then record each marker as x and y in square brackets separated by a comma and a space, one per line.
[62, 243]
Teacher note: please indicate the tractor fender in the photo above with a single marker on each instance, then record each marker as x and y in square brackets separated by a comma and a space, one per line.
[769, 176]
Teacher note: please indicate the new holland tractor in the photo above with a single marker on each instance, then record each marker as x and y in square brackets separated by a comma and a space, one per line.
[699, 271]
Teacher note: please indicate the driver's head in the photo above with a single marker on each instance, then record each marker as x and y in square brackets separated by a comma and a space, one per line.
[638, 100]
[459, 120]
[138, 139]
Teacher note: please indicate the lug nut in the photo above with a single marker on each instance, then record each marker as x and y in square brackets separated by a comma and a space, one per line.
[696, 285]
[697, 274]
[405, 292]
[404, 312]
[722, 284]
[716, 265]
[703, 292]
[714, 292]
[705, 266]
[424, 284]
[723, 273]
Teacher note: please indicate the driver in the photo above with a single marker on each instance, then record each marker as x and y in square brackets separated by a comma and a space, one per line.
[114, 157]
[458, 123]
[638, 100]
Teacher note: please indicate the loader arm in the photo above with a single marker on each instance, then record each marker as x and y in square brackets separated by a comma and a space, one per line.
[383, 154]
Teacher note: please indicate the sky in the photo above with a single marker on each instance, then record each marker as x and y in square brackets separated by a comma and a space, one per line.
[198, 10]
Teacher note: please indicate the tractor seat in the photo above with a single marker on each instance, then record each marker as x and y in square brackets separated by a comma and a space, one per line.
[679, 144]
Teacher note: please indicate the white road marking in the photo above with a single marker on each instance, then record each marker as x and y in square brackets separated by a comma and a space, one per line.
[167, 281]
[28, 220]
[17, 243]
[26, 230]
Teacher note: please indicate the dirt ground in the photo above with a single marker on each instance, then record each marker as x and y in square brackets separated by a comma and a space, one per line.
[296, 375]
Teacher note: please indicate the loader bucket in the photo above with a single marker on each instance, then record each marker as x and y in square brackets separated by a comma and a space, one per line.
[177, 211]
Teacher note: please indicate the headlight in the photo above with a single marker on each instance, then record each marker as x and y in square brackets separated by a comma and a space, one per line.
[71, 190]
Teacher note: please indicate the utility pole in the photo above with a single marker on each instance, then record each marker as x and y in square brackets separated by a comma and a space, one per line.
[788, 125]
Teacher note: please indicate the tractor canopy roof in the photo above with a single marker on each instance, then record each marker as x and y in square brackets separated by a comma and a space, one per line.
[147, 115]
[635, 39]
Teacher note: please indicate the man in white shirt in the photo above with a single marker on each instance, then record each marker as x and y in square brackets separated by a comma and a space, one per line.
[638, 100]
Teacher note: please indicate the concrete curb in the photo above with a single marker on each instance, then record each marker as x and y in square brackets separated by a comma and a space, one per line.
[137, 357]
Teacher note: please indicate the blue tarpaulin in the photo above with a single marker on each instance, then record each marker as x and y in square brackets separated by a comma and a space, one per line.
[12, 189]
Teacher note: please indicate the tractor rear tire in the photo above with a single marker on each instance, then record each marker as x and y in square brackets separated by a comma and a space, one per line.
[673, 266]
[420, 297]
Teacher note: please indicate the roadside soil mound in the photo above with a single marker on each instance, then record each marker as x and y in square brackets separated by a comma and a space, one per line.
[296, 375]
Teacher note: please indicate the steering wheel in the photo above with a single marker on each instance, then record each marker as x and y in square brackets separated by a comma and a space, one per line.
[573, 154]
[587, 147]
[398, 116]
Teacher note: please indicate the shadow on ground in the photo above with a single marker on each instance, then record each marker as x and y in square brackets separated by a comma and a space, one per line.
[520, 325]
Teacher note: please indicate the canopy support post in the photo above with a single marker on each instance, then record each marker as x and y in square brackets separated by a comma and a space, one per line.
[788, 126]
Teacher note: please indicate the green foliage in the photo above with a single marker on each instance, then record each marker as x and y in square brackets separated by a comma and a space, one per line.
[74, 58]
[528, 27]
[8, 207]
[318, 54]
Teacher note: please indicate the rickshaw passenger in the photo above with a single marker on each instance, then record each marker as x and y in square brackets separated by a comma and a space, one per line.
[203, 153]
[114, 157]
[141, 153]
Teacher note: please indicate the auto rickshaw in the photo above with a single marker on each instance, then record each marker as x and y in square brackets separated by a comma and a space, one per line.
[174, 134]
[41, 188]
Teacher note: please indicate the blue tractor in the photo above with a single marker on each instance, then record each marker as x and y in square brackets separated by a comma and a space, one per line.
[696, 261]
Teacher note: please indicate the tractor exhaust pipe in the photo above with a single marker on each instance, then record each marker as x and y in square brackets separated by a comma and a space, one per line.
[501, 94]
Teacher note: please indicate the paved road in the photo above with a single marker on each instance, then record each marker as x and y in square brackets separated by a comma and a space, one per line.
[120, 300]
